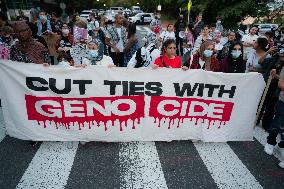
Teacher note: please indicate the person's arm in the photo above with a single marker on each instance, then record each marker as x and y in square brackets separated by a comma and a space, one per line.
[108, 43]
[281, 84]
[130, 43]
[261, 58]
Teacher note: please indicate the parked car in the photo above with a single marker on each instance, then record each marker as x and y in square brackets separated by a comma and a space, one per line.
[116, 10]
[85, 14]
[265, 27]
[135, 10]
[142, 18]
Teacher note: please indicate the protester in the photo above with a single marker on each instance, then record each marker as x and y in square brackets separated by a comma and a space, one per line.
[56, 23]
[43, 24]
[248, 41]
[204, 58]
[225, 51]
[93, 25]
[219, 26]
[204, 36]
[103, 33]
[65, 42]
[276, 126]
[145, 56]
[95, 55]
[180, 27]
[168, 34]
[198, 26]
[270, 37]
[116, 39]
[27, 49]
[155, 24]
[132, 43]
[6, 41]
[273, 66]
[257, 55]
[34, 30]
[168, 58]
[234, 62]
[80, 37]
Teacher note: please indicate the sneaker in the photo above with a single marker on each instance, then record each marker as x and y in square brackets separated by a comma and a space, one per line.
[281, 164]
[268, 149]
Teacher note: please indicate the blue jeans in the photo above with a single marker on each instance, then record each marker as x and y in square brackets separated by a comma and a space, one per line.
[276, 126]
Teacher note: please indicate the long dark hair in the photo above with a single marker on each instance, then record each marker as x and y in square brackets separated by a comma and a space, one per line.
[236, 65]
[262, 43]
[131, 30]
[167, 43]
[231, 48]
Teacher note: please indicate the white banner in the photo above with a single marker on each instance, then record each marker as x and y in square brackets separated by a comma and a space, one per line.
[119, 104]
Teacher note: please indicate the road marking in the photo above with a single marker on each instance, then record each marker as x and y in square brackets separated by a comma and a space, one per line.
[50, 167]
[2, 126]
[261, 136]
[225, 167]
[140, 166]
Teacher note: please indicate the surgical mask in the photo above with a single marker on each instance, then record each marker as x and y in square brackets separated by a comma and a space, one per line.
[93, 53]
[219, 21]
[64, 63]
[208, 53]
[236, 53]
[65, 31]
[42, 17]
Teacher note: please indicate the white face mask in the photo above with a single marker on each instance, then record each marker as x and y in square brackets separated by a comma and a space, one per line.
[208, 53]
[236, 53]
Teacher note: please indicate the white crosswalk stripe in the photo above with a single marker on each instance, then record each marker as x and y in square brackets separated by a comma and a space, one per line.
[140, 166]
[50, 167]
[227, 170]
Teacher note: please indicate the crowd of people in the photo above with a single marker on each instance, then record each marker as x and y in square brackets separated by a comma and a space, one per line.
[82, 42]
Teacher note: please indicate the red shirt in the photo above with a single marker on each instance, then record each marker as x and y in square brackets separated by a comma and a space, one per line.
[169, 62]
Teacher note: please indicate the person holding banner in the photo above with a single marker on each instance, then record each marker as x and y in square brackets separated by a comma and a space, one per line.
[234, 62]
[27, 49]
[203, 58]
[276, 126]
[168, 58]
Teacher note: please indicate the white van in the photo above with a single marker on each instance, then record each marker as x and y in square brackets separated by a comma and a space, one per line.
[135, 10]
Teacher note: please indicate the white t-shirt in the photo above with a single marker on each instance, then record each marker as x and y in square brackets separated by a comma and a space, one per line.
[252, 62]
[167, 35]
[119, 45]
[248, 38]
